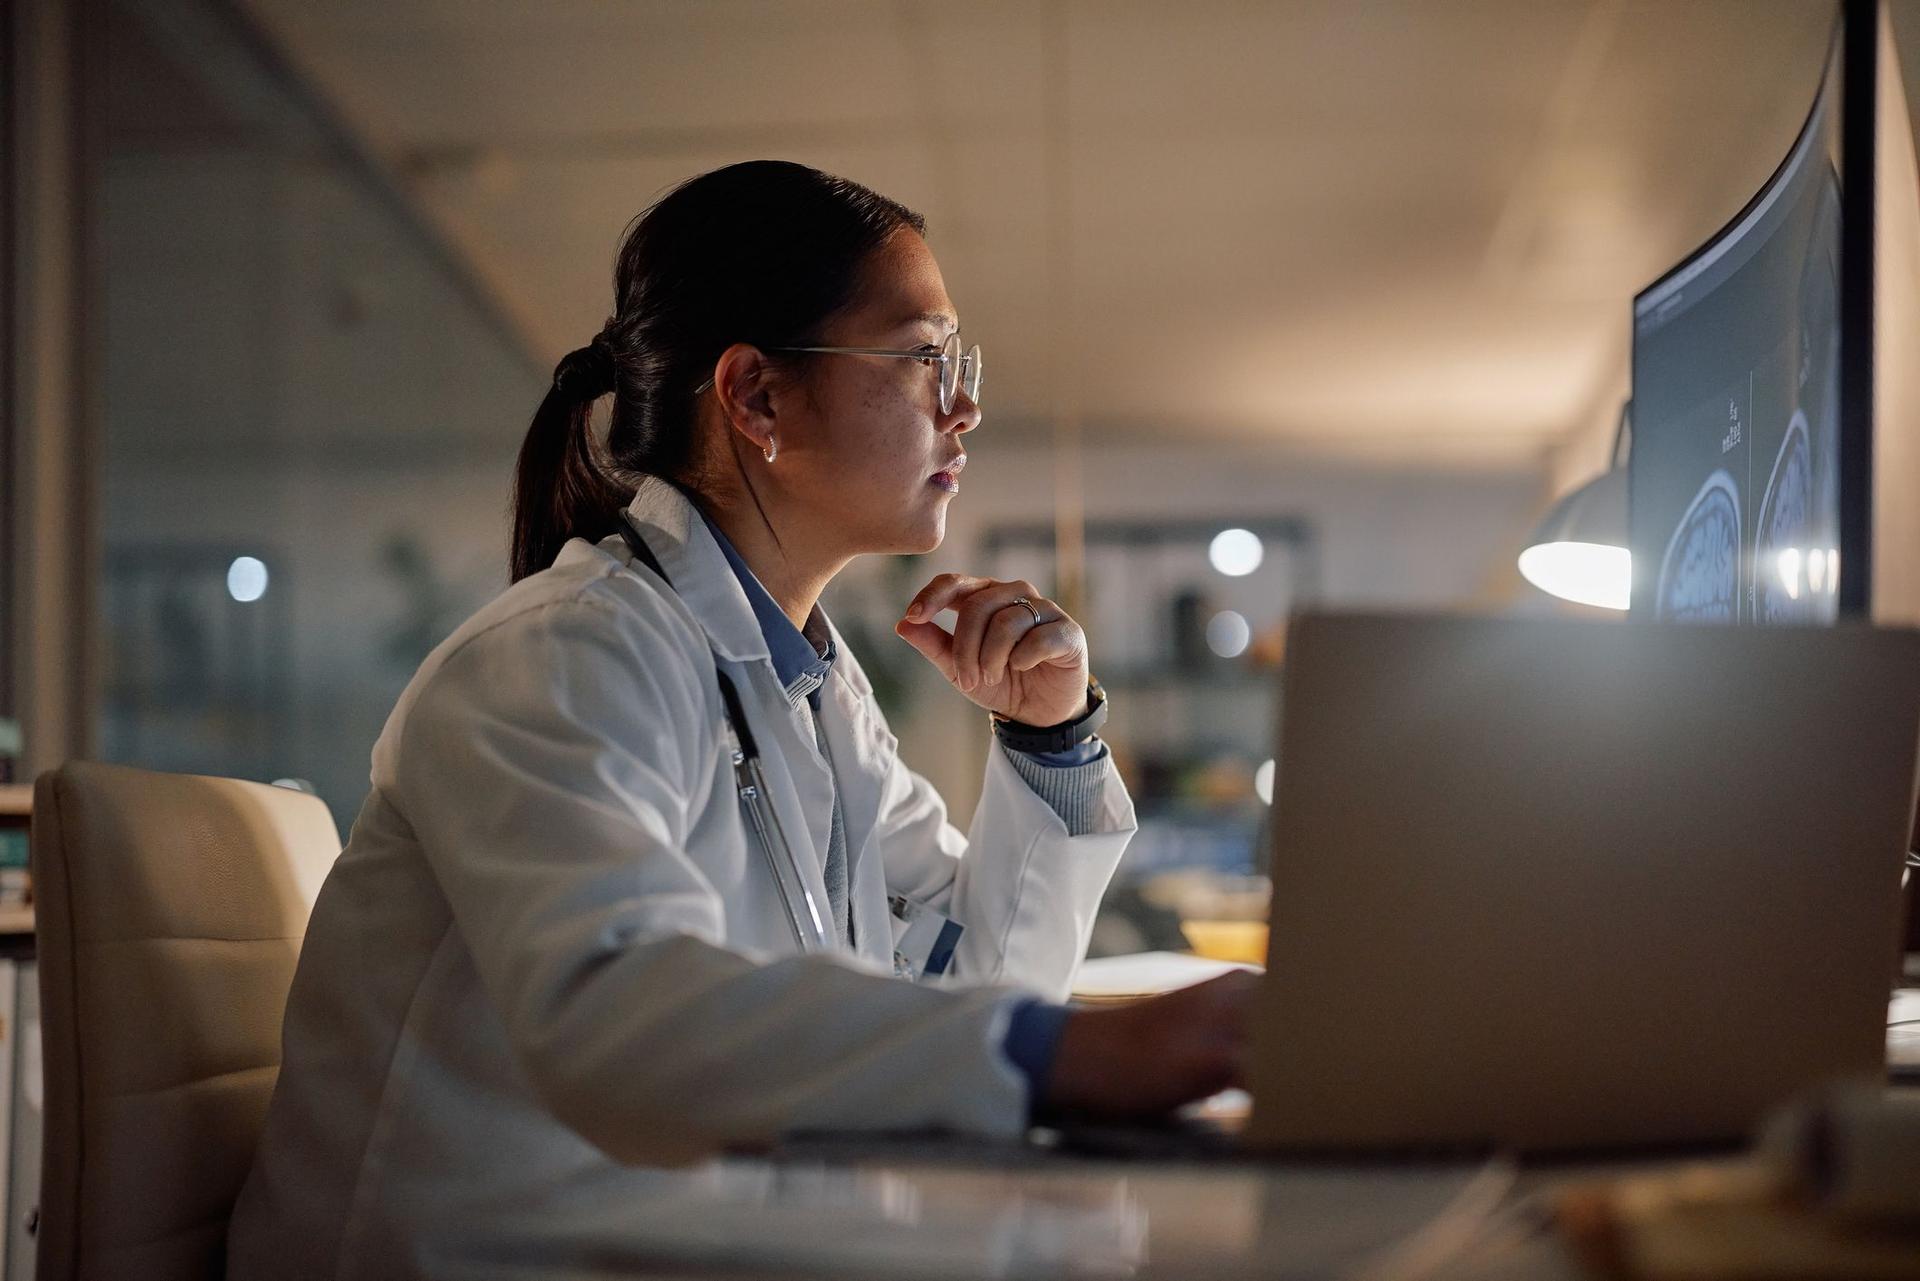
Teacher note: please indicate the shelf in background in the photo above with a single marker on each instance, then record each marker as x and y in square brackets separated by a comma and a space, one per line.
[16, 803]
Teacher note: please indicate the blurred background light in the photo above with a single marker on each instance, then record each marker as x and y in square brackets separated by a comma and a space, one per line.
[1228, 633]
[1236, 552]
[247, 579]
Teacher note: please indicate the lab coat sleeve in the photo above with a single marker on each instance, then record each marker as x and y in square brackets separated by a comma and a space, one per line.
[1024, 888]
[549, 769]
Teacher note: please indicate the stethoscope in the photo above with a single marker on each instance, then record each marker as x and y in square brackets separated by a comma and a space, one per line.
[750, 784]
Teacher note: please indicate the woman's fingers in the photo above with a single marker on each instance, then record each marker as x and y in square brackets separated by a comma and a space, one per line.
[1154, 1055]
[975, 611]
[940, 593]
[932, 641]
[1007, 634]
[993, 635]
[1058, 639]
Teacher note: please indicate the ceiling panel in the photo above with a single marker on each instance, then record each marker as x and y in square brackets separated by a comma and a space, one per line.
[1349, 224]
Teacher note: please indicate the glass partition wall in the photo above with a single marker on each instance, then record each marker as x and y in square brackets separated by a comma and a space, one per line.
[309, 415]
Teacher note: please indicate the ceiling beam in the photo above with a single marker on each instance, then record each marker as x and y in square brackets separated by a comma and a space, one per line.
[199, 34]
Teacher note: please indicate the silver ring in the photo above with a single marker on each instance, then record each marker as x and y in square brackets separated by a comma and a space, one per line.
[1031, 609]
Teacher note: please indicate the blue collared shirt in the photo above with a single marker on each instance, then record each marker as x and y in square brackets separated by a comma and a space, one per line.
[801, 662]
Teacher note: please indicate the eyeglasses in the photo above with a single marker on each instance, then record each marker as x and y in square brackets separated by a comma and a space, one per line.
[957, 368]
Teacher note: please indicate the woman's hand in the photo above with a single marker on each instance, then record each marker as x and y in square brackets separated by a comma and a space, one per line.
[1150, 1056]
[1000, 655]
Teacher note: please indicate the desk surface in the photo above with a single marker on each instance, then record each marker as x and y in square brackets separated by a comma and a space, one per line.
[953, 1209]
[959, 1212]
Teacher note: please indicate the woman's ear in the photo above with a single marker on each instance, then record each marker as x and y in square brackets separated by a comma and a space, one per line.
[742, 380]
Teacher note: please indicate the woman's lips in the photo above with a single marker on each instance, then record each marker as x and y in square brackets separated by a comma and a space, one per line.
[949, 479]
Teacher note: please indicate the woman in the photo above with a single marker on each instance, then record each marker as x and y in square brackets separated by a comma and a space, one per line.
[559, 944]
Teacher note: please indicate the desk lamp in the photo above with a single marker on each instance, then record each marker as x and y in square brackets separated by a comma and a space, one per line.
[1579, 550]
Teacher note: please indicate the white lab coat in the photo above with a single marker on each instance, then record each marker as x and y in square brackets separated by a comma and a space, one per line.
[551, 953]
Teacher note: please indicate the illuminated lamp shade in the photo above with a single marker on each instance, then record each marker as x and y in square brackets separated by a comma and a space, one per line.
[1579, 552]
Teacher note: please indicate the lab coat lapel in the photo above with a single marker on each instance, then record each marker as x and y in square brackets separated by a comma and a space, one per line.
[701, 577]
[862, 746]
[797, 777]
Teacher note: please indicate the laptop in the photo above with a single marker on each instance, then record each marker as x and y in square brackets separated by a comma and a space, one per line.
[1555, 885]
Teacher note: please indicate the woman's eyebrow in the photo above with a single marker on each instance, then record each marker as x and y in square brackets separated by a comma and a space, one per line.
[938, 319]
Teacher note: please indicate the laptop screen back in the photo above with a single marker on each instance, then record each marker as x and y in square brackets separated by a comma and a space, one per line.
[1555, 884]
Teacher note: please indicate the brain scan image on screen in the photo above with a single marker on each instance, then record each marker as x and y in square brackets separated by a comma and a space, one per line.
[1785, 533]
[1700, 574]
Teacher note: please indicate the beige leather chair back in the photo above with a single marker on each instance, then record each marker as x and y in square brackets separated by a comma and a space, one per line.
[170, 910]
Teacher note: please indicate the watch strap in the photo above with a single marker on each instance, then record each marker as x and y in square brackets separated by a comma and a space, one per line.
[1022, 737]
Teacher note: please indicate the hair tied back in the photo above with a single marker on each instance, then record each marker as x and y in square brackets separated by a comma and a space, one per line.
[764, 251]
[585, 374]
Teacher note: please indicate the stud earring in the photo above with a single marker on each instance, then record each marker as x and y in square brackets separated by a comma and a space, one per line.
[773, 447]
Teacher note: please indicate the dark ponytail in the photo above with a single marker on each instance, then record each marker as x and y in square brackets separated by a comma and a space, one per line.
[763, 252]
[561, 488]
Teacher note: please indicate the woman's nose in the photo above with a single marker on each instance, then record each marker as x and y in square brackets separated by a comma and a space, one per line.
[965, 416]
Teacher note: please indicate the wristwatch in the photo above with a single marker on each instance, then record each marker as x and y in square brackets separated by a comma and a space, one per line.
[1022, 737]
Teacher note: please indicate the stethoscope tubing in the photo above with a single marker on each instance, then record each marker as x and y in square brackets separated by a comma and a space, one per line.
[809, 931]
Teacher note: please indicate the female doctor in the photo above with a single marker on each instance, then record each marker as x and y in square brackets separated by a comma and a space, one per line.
[642, 875]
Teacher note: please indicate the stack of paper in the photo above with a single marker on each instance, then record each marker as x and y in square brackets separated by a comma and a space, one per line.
[1128, 978]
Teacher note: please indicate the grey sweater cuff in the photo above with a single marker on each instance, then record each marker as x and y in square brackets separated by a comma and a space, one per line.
[1072, 792]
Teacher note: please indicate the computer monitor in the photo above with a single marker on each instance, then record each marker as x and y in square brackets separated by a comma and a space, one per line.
[1733, 485]
[1776, 398]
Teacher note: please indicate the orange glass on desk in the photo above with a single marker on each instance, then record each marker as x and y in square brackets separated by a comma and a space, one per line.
[1244, 942]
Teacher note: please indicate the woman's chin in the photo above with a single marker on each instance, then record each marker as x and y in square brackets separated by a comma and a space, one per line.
[926, 540]
[926, 529]
[911, 530]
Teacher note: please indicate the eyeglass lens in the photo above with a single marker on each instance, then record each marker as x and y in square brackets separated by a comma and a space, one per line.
[956, 370]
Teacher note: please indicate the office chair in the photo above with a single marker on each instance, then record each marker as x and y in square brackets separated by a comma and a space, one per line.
[170, 910]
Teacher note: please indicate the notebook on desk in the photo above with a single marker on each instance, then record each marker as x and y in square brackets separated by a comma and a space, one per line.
[1646, 876]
